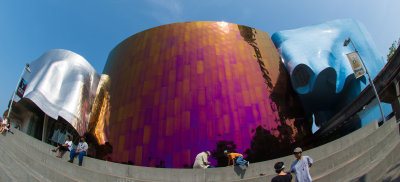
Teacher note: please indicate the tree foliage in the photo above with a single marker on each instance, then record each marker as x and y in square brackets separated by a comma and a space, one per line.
[392, 49]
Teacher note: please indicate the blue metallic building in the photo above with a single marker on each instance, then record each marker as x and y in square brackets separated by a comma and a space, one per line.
[319, 69]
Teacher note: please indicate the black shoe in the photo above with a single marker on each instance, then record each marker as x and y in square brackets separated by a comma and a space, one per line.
[71, 161]
[80, 164]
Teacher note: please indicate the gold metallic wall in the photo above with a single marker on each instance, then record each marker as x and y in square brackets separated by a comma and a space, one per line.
[173, 91]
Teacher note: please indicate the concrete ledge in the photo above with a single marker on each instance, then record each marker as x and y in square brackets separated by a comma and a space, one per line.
[330, 162]
[343, 142]
[36, 167]
[347, 169]
[52, 167]
[387, 170]
[11, 170]
[327, 157]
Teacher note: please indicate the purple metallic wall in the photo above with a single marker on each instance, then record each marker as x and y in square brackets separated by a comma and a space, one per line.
[173, 91]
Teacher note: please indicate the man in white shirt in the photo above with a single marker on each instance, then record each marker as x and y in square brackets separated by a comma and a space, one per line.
[202, 160]
[81, 151]
[301, 166]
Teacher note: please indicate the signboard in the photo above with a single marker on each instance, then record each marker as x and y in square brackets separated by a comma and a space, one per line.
[355, 64]
[21, 88]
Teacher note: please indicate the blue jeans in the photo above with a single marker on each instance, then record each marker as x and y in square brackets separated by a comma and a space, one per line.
[73, 153]
[240, 161]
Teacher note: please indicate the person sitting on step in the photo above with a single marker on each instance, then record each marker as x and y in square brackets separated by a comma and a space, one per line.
[81, 151]
[67, 146]
[5, 127]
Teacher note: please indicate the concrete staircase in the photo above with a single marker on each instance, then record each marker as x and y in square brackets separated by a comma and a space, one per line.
[368, 154]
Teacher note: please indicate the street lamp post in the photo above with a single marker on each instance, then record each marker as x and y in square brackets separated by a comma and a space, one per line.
[346, 42]
[12, 98]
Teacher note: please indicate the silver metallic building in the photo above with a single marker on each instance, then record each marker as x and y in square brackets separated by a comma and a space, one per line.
[63, 84]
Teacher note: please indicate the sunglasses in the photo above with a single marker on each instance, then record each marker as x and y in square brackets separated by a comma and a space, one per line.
[296, 152]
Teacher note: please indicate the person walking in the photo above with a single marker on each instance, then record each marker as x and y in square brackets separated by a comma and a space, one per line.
[301, 166]
[81, 151]
[282, 176]
[235, 159]
[201, 161]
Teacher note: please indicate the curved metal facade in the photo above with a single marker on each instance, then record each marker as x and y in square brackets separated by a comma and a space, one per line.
[319, 68]
[62, 83]
[170, 92]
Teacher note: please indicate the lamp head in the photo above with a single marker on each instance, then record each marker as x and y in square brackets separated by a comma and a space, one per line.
[346, 42]
[27, 68]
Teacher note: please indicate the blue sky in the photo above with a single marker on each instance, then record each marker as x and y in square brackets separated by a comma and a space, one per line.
[92, 28]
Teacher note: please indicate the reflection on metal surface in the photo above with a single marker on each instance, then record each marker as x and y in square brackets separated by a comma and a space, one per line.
[63, 83]
[101, 111]
[224, 26]
[100, 121]
[179, 89]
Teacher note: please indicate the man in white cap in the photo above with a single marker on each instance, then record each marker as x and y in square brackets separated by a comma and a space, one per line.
[202, 160]
[301, 166]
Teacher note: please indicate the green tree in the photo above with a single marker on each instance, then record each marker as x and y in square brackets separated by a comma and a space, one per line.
[393, 48]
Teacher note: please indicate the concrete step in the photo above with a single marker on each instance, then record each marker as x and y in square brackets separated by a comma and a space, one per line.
[10, 170]
[334, 154]
[361, 162]
[378, 168]
[33, 166]
[345, 149]
[6, 166]
[34, 155]
[337, 159]
[391, 174]
[320, 154]
[386, 168]
[227, 174]
[13, 169]
[115, 171]
[5, 174]
[324, 151]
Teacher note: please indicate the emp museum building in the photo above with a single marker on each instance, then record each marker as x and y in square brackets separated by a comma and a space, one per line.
[173, 91]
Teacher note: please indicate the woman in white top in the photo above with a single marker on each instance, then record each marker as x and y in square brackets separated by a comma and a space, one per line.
[3, 125]
[67, 146]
